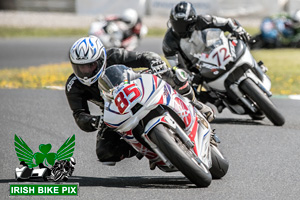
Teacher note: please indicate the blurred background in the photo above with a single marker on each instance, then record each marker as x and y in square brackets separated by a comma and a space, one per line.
[28, 26]
[228, 8]
[248, 11]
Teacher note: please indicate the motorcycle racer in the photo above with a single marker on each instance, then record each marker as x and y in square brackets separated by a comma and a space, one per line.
[183, 38]
[124, 30]
[89, 59]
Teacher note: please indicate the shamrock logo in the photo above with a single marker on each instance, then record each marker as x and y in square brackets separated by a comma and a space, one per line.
[40, 157]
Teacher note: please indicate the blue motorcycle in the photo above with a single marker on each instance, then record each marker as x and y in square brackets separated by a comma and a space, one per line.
[274, 33]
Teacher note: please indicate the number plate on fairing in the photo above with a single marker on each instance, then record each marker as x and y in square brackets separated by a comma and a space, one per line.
[127, 97]
[213, 63]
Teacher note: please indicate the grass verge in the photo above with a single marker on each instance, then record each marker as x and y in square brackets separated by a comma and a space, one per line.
[284, 69]
[12, 32]
[283, 65]
[35, 77]
[9, 32]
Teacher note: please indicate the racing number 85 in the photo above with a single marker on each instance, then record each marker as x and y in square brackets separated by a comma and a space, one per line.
[126, 96]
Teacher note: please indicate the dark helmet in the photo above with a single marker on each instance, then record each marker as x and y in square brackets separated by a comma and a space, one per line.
[112, 77]
[182, 17]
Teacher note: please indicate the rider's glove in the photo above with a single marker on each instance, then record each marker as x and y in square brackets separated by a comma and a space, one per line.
[242, 34]
[97, 122]
[158, 66]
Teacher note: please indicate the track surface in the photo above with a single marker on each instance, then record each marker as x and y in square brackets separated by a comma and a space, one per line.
[25, 52]
[264, 159]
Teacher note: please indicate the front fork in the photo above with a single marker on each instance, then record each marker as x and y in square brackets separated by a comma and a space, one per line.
[264, 86]
[166, 119]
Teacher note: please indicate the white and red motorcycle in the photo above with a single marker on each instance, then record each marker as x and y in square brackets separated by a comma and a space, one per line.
[115, 33]
[233, 79]
[161, 125]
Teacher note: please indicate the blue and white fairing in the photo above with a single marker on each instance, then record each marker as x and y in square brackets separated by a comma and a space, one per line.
[148, 92]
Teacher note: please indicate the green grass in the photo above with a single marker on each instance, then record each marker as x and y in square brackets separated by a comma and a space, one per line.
[284, 69]
[252, 30]
[283, 64]
[8, 32]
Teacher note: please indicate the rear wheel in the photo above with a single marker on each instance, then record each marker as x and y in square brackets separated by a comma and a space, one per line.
[184, 159]
[220, 164]
[262, 101]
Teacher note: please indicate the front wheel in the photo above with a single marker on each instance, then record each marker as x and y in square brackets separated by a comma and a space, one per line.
[184, 159]
[262, 101]
[220, 164]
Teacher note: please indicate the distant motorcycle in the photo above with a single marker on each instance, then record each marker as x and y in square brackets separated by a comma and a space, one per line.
[165, 128]
[233, 79]
[275, 33]
[115, 33]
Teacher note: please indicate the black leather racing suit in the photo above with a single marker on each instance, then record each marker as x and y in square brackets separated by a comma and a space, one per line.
[179, 51]
[109, 146]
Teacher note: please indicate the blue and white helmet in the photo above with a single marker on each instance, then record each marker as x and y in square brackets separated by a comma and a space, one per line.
[88, 59]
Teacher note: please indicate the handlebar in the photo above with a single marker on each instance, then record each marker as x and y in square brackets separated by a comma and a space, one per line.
[150, 71]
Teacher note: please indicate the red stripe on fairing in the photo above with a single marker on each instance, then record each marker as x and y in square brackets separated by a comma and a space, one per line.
[155, 81]
[163, 120]
[193, 133]
[161, 101]
[109, 125]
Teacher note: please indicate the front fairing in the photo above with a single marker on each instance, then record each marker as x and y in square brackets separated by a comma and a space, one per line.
[140, 92]
[218, 53]
[150, 93]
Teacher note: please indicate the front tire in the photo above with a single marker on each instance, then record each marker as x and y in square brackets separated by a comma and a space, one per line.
[262, 101]
[180, 156]
[220, 164]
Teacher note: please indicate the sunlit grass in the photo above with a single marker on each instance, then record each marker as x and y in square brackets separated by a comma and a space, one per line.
[283, 65]
[12, 32]
[35, 77]
[8, 32]
[284, 69]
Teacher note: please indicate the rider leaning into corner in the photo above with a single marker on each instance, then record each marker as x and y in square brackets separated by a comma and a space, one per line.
[183, 39]
[89, 59]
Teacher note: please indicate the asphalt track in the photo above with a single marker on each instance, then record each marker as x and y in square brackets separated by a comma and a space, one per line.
[25, 52]
[264, 159]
